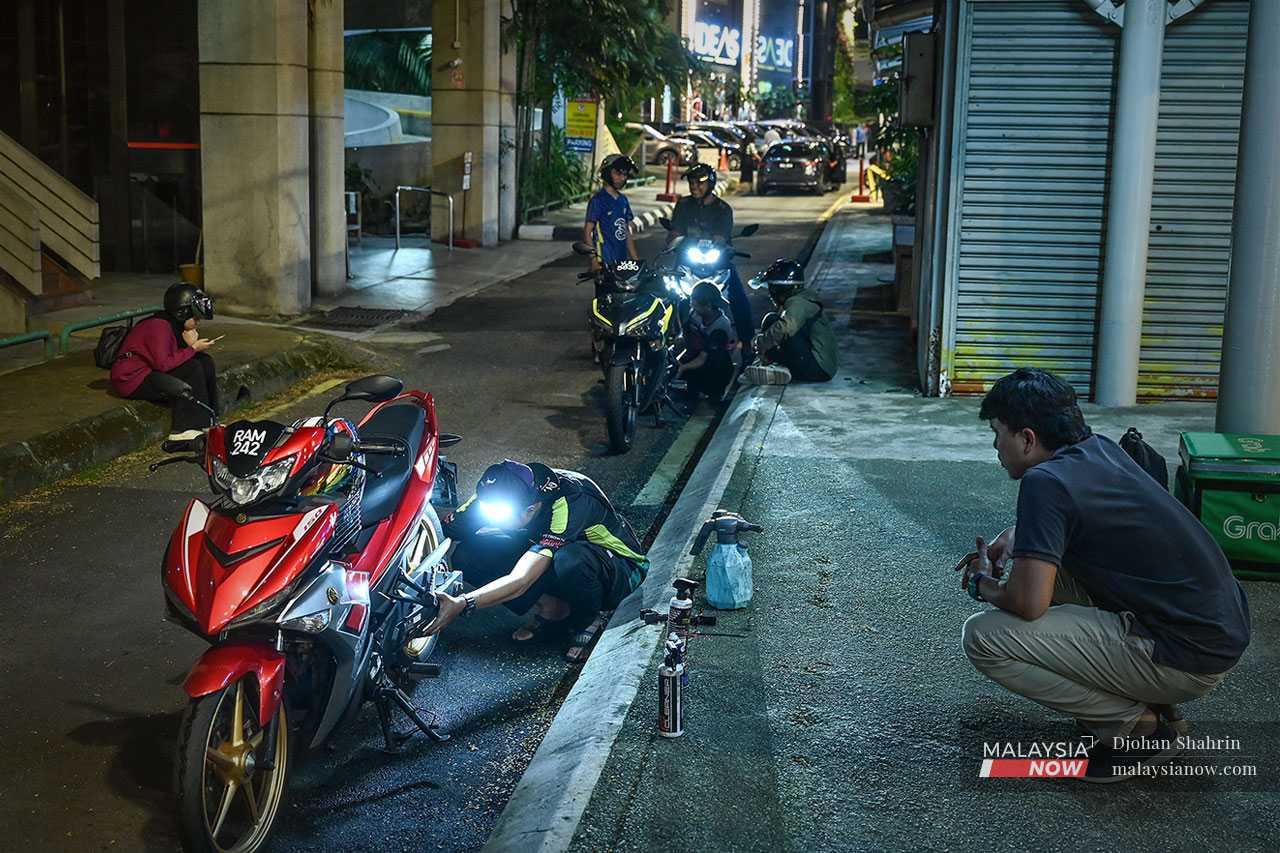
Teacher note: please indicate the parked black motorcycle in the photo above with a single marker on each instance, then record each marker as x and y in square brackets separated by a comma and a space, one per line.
[698, 260]
[633, 329]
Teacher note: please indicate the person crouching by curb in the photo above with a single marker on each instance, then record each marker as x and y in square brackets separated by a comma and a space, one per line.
[543, 540]
[1119, 603]
[712, 354]
[170, 343]
[795, 342]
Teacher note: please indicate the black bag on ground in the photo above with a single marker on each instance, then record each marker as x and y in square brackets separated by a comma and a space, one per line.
[1146, 457]
[108, 348]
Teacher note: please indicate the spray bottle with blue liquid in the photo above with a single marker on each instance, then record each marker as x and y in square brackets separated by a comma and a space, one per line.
[729, 585]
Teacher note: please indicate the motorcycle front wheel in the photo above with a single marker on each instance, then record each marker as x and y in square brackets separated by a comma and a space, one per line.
[227, 802]
[620, 413]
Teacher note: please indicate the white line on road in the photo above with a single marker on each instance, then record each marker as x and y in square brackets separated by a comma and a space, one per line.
[673, 461]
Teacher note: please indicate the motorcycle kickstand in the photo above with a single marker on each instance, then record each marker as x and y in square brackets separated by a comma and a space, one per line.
[387, 694]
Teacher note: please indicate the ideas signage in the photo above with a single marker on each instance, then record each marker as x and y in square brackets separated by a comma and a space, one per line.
[775, 54]
[718, 43]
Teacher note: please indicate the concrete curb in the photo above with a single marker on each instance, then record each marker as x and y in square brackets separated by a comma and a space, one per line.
[27, 465]
[552, 795]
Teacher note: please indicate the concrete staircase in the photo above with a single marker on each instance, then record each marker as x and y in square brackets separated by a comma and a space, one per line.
[49, 237]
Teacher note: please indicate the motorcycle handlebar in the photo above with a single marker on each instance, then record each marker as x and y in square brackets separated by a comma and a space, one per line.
[583, 276]
[397, 449]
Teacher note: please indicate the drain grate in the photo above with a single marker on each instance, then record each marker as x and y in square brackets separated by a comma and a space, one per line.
[357, 318]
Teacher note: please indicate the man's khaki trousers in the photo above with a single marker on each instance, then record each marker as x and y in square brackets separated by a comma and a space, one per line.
[1080, 660]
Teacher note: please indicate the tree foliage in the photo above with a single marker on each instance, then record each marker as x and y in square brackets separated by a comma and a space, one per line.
[389, 62]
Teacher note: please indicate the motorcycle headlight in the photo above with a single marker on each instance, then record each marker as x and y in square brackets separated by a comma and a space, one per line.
[704, 256]
[264, 609]
[246, 490]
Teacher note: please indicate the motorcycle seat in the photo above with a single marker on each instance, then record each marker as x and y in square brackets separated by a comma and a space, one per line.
[389, 474]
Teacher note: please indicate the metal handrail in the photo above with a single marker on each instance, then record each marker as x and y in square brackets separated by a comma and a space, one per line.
[30, 337]
[64, 338]
[423, 190]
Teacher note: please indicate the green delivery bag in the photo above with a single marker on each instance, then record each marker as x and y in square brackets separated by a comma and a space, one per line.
[1232, 484]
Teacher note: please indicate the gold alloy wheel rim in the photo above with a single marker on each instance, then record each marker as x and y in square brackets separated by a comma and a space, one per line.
[233, 763]
[427, 544]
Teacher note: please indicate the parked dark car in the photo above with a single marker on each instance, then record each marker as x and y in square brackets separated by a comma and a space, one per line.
[796, 163]
[712, 140]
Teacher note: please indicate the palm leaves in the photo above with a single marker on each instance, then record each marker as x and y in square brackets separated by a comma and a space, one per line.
[389, 62]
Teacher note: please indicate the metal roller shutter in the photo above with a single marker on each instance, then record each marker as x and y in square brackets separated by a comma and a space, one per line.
[1190, 251]
[1029, 197]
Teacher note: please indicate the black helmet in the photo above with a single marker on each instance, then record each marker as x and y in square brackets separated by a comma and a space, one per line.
[706, 293]
[783, 278]
[621, 162]
[505, 490]
[183, 301]
[702, 172]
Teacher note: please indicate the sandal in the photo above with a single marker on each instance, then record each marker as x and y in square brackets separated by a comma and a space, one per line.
[533, 626]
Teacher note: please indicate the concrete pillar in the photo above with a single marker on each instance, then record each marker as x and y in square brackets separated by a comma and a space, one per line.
[1249, 387]
[254, 153]
[507, 139]
[466, 116]
[1133, 159]
[328, 213]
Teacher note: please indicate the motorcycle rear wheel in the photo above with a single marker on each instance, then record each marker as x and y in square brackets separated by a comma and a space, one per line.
[226, 802]
[620, 413]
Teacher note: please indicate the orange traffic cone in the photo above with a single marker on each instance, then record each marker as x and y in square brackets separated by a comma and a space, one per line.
[724, 161]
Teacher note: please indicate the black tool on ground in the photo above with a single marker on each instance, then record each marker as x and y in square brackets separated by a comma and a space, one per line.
[655, 617]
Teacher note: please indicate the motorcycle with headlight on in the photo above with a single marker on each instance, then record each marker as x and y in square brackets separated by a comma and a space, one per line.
[633, 329]
[698, 260]
[310, 574]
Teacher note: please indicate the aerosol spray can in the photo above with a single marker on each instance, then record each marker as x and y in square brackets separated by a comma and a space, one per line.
[671, 689]
[680, 614]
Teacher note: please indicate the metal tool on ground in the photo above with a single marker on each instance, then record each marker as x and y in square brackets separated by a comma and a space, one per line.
[671, 682]
[729, 583]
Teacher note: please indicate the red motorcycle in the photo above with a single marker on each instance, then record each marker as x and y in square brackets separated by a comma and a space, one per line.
[311, 575]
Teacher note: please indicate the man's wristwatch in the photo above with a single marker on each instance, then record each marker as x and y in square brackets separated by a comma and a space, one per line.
[974, 591]
[470, 603]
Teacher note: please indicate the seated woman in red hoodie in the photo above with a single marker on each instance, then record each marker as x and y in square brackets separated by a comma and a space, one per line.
[168, 342]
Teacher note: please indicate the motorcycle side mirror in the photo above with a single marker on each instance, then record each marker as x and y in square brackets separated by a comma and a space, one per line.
[374, 389]
[581, 248]
[371, 389]
[748, 230]
[664, 222]
[448, 439]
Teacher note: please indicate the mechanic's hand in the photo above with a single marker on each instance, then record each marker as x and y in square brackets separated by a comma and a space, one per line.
[450, 606]
[976, 562]
[1001, 551]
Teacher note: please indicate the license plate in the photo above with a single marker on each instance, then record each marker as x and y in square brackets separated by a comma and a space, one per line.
[786, 165]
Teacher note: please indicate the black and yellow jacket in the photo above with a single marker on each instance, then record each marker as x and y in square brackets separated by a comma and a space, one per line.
[574, 509]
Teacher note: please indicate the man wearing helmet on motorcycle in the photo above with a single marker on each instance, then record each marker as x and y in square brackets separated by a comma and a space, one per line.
[795, 342]
[608, 226]
[169, 343]
[711, 354]
[541, 539]
[703, 215]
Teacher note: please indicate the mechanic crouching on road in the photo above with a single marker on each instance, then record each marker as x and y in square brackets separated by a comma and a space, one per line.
[1119, 603]
[543, 540]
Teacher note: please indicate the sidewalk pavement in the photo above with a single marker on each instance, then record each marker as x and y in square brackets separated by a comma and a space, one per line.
[838, 711]
[61, 416]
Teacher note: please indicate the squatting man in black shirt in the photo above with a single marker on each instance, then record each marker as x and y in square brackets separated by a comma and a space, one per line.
[1118, 605]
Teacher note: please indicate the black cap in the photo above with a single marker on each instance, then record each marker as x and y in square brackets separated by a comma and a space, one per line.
[508, 480]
